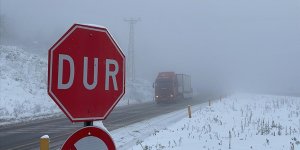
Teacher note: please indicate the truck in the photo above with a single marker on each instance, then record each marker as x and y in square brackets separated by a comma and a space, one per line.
[170, 86]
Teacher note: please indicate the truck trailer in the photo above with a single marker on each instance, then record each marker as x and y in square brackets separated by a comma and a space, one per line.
[170, 86]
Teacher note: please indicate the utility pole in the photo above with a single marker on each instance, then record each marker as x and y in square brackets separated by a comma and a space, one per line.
[131, 62]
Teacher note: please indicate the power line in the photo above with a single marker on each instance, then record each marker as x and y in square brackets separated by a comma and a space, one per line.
[130, 60]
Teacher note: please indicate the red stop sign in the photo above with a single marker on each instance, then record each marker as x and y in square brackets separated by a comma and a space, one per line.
[86, 73]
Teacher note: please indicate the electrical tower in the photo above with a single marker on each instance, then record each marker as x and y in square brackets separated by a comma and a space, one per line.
[130, 60]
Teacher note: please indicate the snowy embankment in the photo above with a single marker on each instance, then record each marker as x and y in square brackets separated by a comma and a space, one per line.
[240, 122]
[23, 87]
[23, 90]
[130, 135]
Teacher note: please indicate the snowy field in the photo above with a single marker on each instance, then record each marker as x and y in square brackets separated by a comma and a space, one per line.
[23, 87]
[240, 122]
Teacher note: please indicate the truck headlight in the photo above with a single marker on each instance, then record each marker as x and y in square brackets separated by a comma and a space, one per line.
[156, 96]
[171, 95]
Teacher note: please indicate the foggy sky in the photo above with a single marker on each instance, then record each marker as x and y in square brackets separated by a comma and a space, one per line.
[251, 44]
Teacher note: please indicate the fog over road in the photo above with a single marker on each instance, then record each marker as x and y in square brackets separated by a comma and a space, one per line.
[249, 45]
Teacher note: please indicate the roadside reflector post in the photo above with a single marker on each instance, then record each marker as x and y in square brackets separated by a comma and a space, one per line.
[189, 111]
[44, 142]
[209, 103]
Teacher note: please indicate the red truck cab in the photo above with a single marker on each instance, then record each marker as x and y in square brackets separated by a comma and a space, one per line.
[165, 86]
[170, 86]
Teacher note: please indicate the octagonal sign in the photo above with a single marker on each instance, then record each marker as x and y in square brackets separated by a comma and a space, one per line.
[86, 73]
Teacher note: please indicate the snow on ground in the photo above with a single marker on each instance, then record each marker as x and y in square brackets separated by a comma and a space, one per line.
[23, 90]
[128, 136]
[240, 122]
[23, 87]
[139, 91]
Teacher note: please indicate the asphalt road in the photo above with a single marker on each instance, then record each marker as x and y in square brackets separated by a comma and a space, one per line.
[26, 136]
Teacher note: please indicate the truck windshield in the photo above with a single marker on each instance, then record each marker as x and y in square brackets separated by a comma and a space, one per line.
[163, 83]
